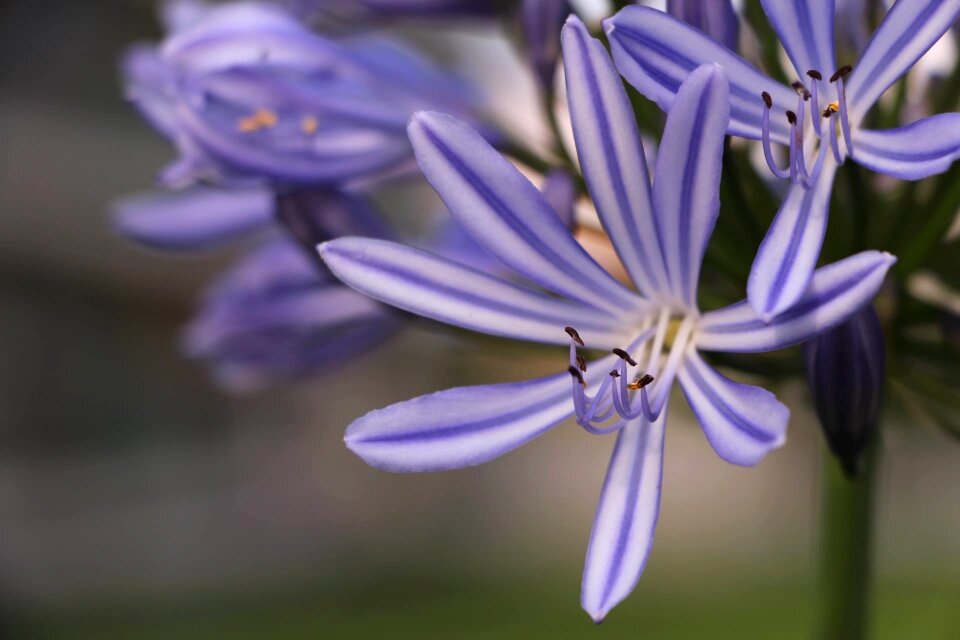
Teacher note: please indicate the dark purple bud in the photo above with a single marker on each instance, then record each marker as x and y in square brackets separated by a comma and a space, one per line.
[542, 21]
[845, 372]
[716, 18]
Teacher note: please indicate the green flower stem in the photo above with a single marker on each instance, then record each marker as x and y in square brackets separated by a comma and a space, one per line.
[846, 542]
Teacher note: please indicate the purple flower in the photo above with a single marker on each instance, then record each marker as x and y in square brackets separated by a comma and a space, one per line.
[656, 332]
[276, 316]
[716, 18]
[371, 9]
[655, 52]
[541, 21]
[248, 93]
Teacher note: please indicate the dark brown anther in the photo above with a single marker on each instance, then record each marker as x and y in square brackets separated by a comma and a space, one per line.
[800, 89]
[623, 355]
[826, 113]
[614, 374]
[842, 72]
[641, 382]
[577, 376]
[573, 334]
[791, 117]
[581, 362]
[816, 75]
[767, 100]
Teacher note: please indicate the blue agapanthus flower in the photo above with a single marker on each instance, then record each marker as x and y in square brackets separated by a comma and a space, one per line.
[247, 92]
[656, 332]
[372, 9]
[820, 118]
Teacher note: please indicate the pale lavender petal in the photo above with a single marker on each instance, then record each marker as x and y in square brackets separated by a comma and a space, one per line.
[507, 215]
[686, 183]
[742, 422]
[196, 218]
[716, 18]
[541, 21]
[805, 28]
[437, 288]
[655, 52]
[789, 252]
[560, 191]
[611, 156]
[835, 293]
[908, 30]
[465, 426]
[923, 148]
[626, 517]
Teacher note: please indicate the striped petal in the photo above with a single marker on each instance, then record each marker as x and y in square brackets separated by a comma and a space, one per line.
[716, 18]
[908, 30]
[835, 293]
[686, 184]
[805, 28]
[742, 422]
[789, 252]
[507, 215]
[655, 52]
[197, 218]
[923, 148]
[611, 156]
[626, 517]
[465, 426]
[437, 288]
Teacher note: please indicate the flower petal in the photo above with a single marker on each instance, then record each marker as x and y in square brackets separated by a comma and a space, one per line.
[686, 183]
[918, 150]
[789, 252]
[197, 218]
[908, 30]
[434, 287]
[626, 517]
[560, 191]
[835, 293]
[717, 19]
[541, 21]
[805, 28]
[655, 52]
[507, 215]
[611, 156]
[464, 426]
[742, 422]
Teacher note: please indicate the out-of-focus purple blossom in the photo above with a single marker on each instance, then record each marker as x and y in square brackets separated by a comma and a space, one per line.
[372, 9]
[845, 372]
[278, 316]
[716, 18]
[820, 118]
[541, 21]
[248, 93]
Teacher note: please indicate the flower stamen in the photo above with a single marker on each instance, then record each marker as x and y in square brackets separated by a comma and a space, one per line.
[783, 174]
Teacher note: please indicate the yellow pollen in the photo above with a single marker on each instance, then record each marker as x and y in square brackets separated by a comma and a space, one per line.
[260, 119]
[833, 107]
[309, 125]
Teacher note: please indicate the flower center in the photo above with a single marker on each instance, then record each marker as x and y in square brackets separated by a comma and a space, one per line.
[797, 170]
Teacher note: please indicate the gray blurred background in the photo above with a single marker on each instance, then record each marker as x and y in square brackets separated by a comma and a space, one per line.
[138, 500]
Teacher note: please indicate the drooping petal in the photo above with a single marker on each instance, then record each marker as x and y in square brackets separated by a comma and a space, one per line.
[742, 422]
[541, 21]
[465, 426]
[507, 215]
[715, 18]
[789, 252]
[655, 52]
[611, 156]
[686, 183]
[437, 288]
[805, 28]
[908, 30]
[923, 148]
[835, 293]
[626, 517]
[196, 218]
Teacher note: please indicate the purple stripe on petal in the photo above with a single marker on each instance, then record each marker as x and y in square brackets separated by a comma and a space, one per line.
[437, 288]
[611, 156]
[908, 30]
[835, 293]
[655, 52]
[686, 184]
[626, 517]
[805, 28]
[923, 148]
[197, 218]
[465, 426]
[789, 252]
[507, 215]
[742, 422]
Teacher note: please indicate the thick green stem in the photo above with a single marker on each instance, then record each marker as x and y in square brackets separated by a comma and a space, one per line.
[846, 542]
